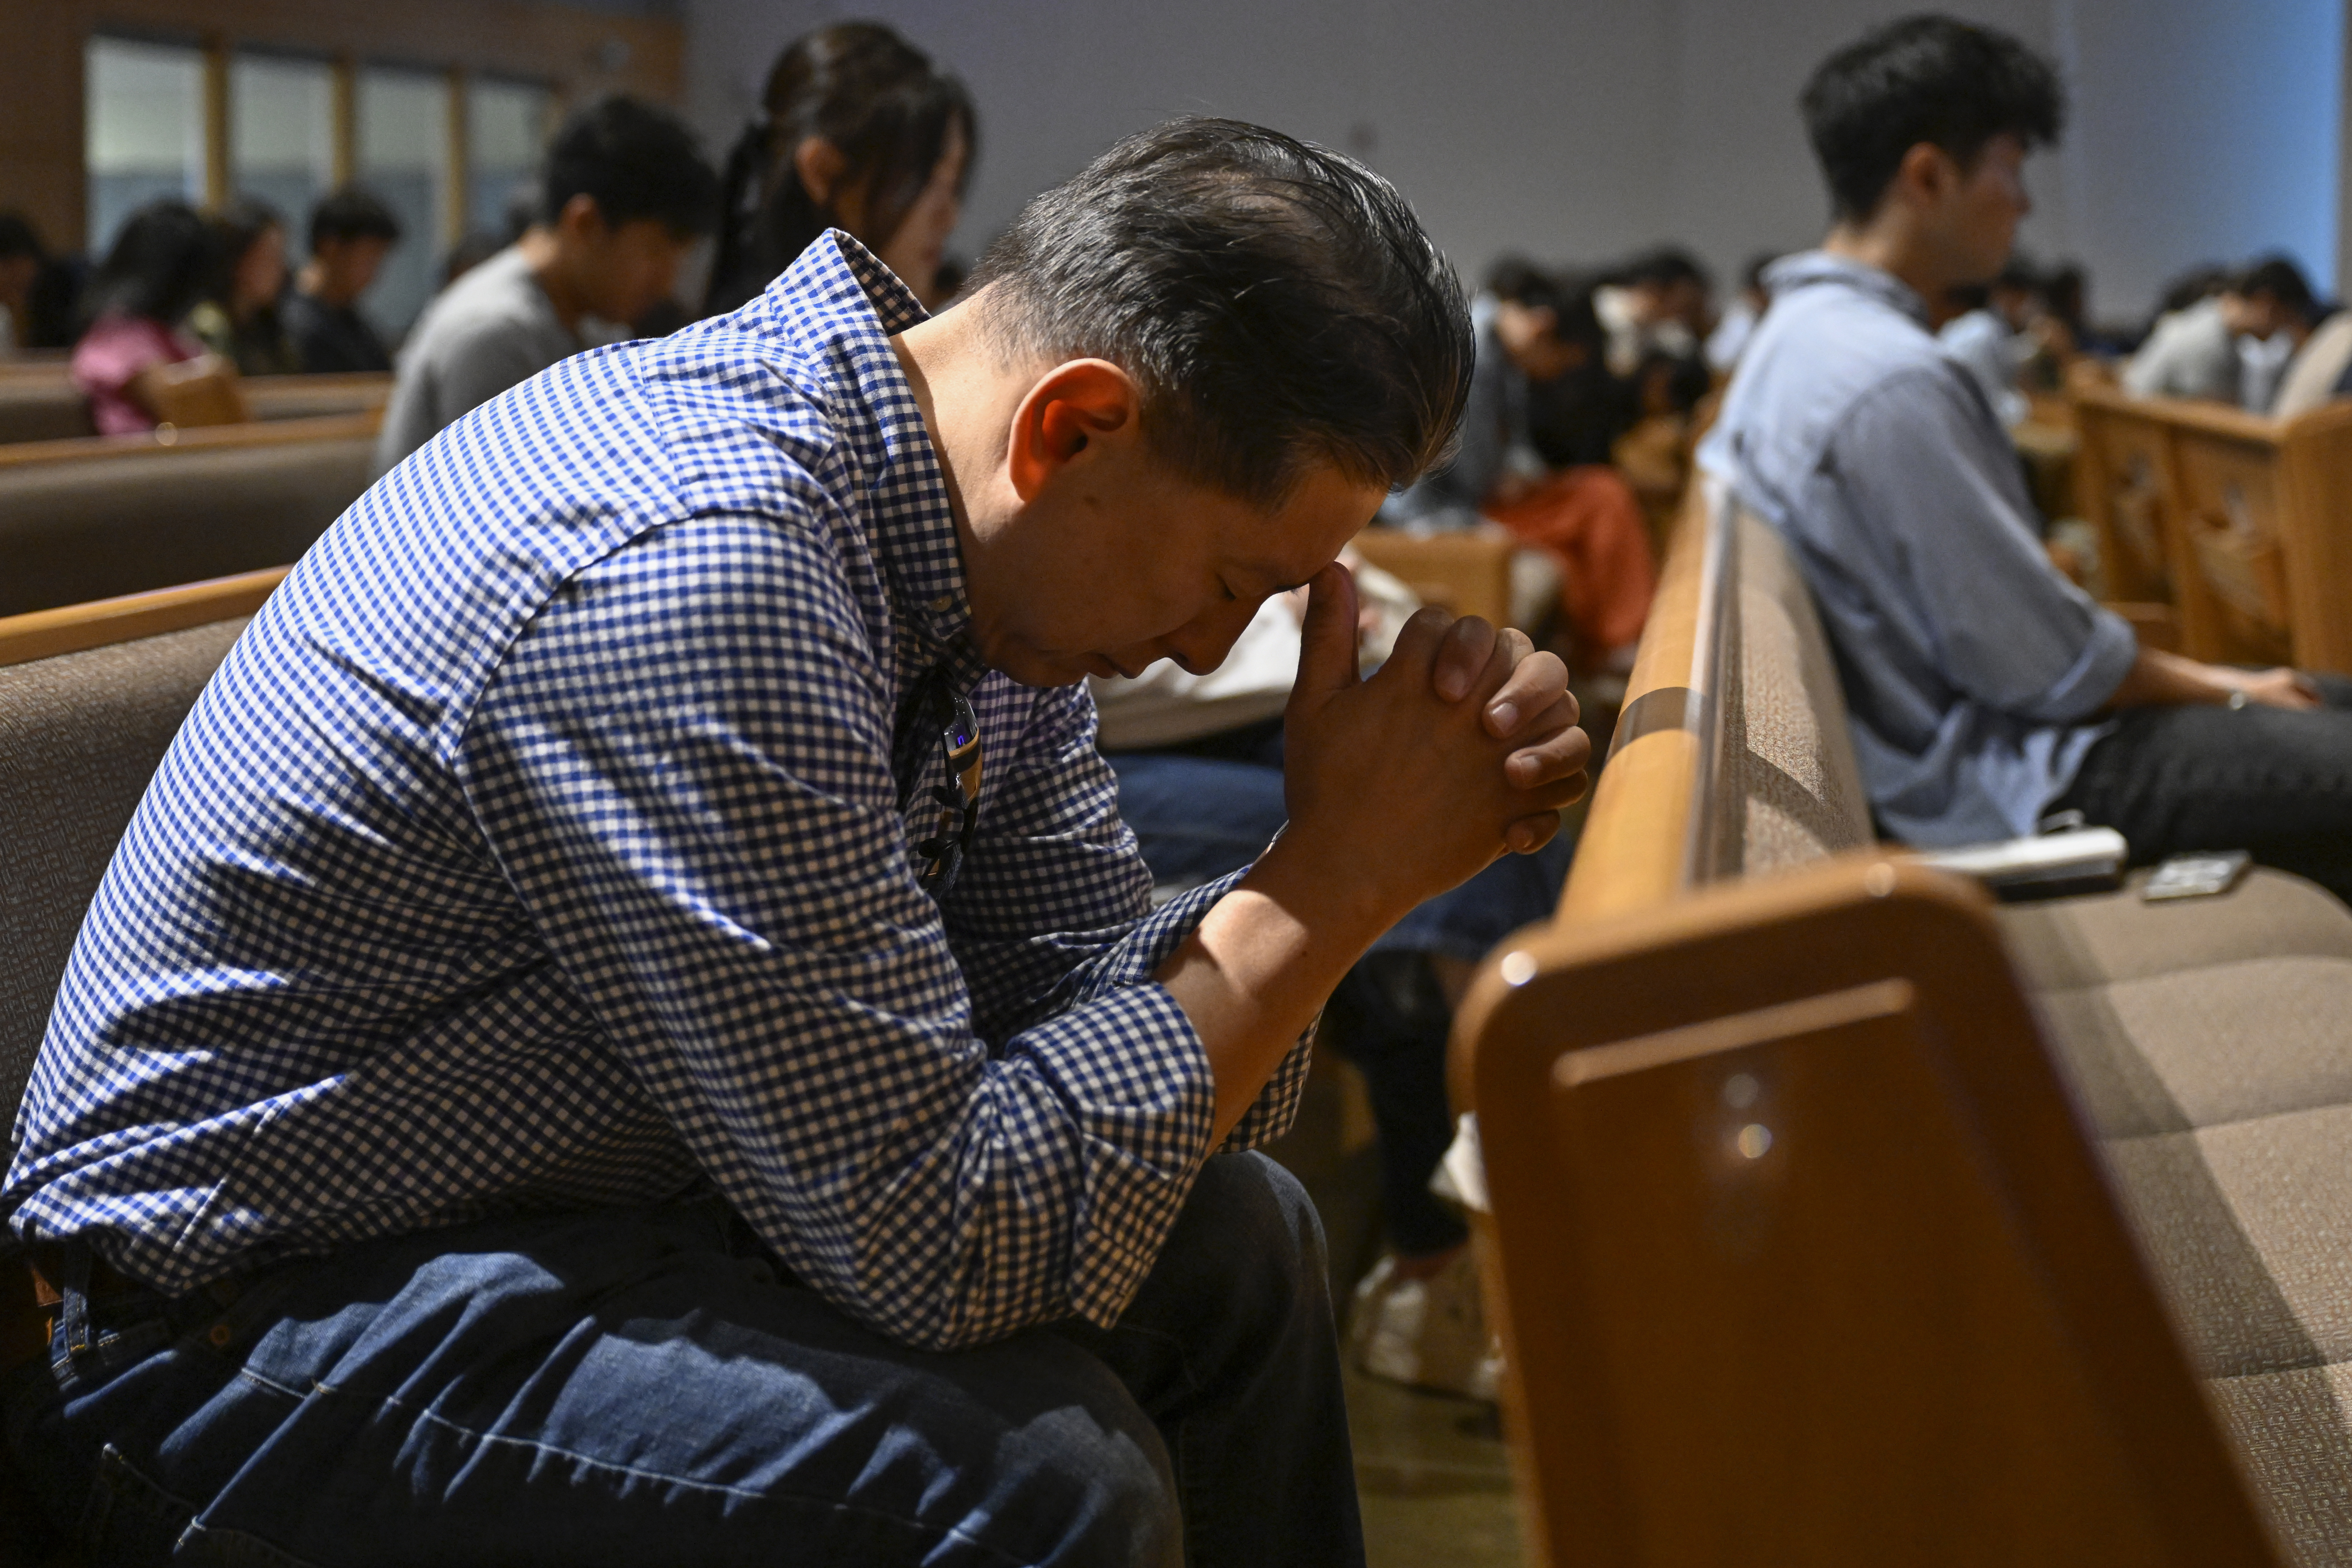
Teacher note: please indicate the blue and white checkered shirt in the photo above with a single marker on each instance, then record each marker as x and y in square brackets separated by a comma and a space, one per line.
[539, 846]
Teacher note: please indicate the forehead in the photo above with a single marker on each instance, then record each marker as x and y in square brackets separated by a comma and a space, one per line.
[2005, 152]
[1286, 544]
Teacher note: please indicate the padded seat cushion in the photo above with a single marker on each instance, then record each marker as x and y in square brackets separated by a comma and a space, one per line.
[2248, 1227]
[2221, 1099]
[2227, 1042]
[81, 734]
[2115, 936]
[2289, 1429]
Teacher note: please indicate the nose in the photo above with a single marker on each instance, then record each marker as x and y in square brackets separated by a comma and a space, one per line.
[1202, 644]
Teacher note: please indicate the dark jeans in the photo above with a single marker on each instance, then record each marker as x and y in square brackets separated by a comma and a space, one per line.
[2261, 779]
[638, 1387]
[1200, 811]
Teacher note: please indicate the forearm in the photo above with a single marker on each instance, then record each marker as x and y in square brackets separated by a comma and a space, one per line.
[2160, 680]
[1260, 965]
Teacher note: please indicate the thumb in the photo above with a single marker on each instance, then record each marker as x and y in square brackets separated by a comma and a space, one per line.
[1326, 638]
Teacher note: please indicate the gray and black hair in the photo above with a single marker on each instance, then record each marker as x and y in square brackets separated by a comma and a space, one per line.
[1278, 305]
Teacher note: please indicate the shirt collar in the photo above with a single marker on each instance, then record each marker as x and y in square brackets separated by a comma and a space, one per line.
[1813, 268]
[844, 306]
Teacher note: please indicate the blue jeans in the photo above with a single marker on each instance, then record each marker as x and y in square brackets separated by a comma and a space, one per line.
[645, 1386]
[2276, 783]
[1201, 811]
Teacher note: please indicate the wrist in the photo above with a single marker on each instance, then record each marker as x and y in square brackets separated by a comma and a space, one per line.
[1328, 892]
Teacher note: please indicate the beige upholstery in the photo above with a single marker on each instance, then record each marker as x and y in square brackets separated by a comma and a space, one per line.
[2209, 1043]
[2198, 1047]
[94, 527]
[1800, 785]
[2083, 941]
[2288, 1426]
[81, 734]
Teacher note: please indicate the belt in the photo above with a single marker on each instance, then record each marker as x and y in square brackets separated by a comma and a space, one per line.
[28, 1323]
[105, 1278]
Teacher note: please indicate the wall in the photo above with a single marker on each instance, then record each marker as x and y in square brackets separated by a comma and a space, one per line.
[1580, 130]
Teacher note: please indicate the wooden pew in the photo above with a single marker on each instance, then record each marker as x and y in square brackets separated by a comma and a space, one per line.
[2248, 516]
[2125, 488]
[89, 697]
[41, 405]
[2263, 548]
[1467, 571]
[1838, 1220]
[315, 396]
[40, 402]
[108, 515]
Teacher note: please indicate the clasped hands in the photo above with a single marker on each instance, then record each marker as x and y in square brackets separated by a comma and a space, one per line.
[1464, 746]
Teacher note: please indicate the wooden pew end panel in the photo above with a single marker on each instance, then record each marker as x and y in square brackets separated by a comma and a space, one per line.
[1826, 1272]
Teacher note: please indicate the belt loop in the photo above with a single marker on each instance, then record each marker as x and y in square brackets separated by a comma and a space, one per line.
[73, 1313]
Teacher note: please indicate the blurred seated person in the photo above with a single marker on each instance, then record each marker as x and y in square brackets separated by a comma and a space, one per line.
[625, 194]
[1198, 760]
[35, 292]
[2189, 349]
[240, 322]
[160, 264]
[2044, 312]
[1660, 301]
[478, 245]
[2281, 312]
[1989, 346]
[1534, 456]
[861, 133]
[350, 234]
[1984, 691]
[2219, 348]
[1731, 334]
[2320, 370]
[1653, 454]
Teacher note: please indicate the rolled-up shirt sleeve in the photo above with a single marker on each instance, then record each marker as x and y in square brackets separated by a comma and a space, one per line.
[1050, 863]
[1923, 461]
[714, 855]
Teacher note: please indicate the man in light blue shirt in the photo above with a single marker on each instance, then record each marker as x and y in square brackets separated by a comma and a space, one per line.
[1984, 690]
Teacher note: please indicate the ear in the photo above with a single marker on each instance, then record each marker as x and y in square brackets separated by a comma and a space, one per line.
[820, 165]
[1926, 174]
[1073, 410]
[581, 219]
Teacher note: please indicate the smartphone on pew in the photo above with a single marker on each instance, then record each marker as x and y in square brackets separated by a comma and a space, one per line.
[2199, 875]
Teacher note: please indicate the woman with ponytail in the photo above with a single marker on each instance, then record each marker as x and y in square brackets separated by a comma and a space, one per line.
[861, 133]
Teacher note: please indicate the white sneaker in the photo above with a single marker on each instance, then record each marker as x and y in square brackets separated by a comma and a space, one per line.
[1426, 1334]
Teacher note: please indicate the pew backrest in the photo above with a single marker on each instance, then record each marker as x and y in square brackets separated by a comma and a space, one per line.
[2124, 487]
[314, 397]
[41, 403]
[1466, 571]
[91, 695]
[105, 516]
[2233, 518]
[2263, 507]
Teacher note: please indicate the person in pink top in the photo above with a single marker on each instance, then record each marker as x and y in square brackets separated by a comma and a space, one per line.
[160, 263]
